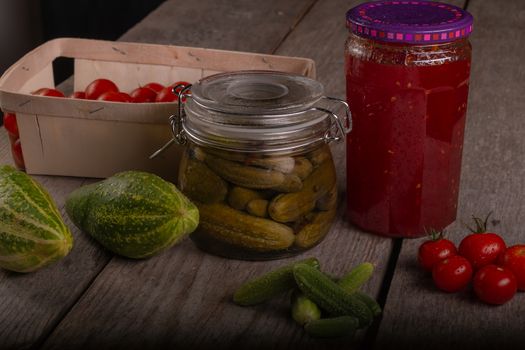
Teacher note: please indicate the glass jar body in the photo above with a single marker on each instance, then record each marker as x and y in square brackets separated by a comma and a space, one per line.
[408, 104]
[259, 206]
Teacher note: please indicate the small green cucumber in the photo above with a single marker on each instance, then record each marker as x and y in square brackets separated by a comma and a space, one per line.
[372, 304]
[356, 277]
[332, 327]
[270, 284]
[303, 309]
[329, 296]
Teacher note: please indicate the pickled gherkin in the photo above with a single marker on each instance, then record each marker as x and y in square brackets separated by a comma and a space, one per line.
[282, 164]
[241, 229]
[275, 206]
[291, 183]
[239, 197]
[245, 175]
[200, 183]
[311, 233]
[319, 156]
[292, 206]
[258, 207]
[303, 167]
[329, 200]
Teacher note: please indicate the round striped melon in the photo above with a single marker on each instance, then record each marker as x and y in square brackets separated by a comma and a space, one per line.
[32, 232]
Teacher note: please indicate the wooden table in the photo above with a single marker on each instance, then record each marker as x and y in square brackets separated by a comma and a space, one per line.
[181, 298]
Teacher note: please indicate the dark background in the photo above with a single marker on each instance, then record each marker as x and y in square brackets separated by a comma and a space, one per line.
[25, 24]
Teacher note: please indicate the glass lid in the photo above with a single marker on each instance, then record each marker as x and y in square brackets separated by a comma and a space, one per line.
[256, 92]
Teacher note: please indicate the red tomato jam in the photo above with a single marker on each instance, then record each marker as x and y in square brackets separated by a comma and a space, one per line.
[408, 106]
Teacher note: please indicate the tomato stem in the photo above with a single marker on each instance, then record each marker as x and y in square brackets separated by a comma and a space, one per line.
[481, 225]
[434, 234]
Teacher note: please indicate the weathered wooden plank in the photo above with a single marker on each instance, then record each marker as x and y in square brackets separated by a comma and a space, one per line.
[32, 304]
[228, 25]
[417, 315]
[182, 298]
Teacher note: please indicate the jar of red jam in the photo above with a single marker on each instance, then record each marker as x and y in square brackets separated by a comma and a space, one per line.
[407, 74]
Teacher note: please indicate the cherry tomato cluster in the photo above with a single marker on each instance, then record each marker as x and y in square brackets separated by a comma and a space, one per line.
[106, 90]
[496, 271]
[11, 126]
[99, 89]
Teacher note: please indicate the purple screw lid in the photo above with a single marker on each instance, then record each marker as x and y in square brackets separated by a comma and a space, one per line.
[414, 22]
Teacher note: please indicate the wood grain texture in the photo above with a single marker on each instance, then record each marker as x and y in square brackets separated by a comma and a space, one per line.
[242, 25]
[182, 298]
[493, 179]
[32, 304]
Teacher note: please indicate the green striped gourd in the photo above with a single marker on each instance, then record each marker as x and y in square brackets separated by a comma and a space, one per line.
[133, 213]
[32, 233]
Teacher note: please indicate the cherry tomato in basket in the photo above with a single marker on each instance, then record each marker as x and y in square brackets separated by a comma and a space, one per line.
[434, 250]
[10, 124]
[481, 247]
[114, 96]
[12, 138]
[143, 94]
[154, 86]
[169, 95]
[98, 87]
[78, 94]
[513, 259]
[452, 274]
[48, 92]
[166, 95]
[494, 284]
[18, 157]
[180, 85]
[126, 97]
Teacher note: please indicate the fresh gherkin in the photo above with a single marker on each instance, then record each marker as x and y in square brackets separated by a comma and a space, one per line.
[32, 233]
[133, 213]
[303, 309]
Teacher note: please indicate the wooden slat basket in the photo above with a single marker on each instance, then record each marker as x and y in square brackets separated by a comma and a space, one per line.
[74, 137]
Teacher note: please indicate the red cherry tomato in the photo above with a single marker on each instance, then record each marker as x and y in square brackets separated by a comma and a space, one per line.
[494, 284]
[78, 94]
[180, 85]
[452, 274]
[143, 94]
[10, 124]
[154, 86]
[48, 92]
[12, 138]
[98, 87]
[514, 259]
[166, 95]
[18, 157]
[481, 247]
[126, 97]
[433, 251]
[115, 97]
